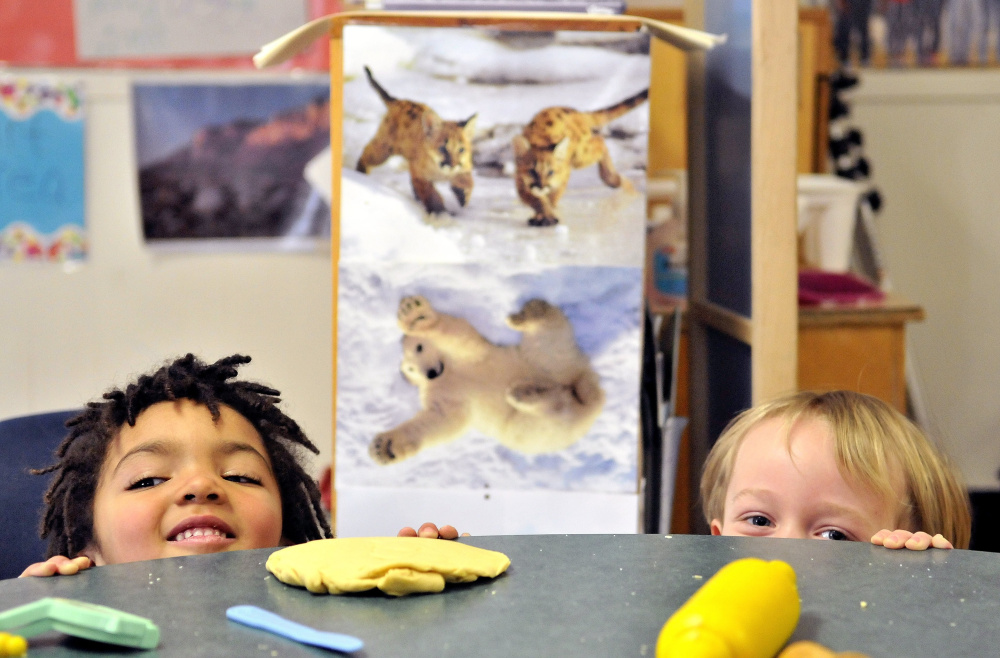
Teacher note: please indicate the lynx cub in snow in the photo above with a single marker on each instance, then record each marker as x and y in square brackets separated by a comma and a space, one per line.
[436, 150]
[558, 140]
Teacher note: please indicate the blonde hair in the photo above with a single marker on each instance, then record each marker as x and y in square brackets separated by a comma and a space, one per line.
[871, 437]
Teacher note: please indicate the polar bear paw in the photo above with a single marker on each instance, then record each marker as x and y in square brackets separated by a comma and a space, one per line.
[415, 313]
[533, 309]
[387, 448]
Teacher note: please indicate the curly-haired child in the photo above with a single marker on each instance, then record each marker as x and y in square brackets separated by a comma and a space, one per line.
[185, 460]
[836, 465]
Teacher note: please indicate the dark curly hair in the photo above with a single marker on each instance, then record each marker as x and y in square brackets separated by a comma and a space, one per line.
[69, 501]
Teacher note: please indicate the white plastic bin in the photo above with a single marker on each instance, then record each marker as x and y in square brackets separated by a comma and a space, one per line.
[827, 213]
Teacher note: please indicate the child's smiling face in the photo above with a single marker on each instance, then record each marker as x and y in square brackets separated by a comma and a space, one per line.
[789, 485]
[179, 483]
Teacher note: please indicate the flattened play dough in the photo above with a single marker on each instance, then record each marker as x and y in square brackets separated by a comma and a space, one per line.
[395, 565]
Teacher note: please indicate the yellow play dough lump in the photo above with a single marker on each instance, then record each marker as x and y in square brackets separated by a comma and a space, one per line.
[395, 565]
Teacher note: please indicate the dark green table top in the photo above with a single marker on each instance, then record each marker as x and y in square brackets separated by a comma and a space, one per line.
[583, 595]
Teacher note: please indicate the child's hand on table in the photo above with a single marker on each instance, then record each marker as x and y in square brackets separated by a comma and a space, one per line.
[431, 531]
[58, 565]
[914, 541]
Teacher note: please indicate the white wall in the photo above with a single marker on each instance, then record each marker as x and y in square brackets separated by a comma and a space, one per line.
[934, 144]
[66, 336]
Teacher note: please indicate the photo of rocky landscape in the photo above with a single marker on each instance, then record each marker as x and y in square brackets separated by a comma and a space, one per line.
[226, 161]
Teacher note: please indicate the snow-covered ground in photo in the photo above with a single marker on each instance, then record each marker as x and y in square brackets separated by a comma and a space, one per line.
[461, 72]
[372, 396]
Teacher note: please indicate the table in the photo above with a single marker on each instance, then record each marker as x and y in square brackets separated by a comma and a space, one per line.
[860, 348]
[583, 595]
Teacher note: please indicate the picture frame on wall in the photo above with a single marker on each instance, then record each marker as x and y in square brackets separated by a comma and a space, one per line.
[223, 163]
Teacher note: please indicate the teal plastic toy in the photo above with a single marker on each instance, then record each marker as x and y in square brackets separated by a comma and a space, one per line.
[86, 620]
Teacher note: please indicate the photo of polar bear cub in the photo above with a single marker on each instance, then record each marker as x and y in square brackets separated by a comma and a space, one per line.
[540, 395]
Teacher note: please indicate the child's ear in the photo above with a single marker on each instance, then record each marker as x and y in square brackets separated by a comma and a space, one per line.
[94, 554]
[716, 527]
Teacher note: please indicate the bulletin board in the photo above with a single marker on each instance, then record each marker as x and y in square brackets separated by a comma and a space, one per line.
[44, 33]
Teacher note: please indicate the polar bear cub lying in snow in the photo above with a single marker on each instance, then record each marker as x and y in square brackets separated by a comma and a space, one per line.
[538, 396]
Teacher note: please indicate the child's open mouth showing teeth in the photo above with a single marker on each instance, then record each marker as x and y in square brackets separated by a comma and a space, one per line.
[210, 533]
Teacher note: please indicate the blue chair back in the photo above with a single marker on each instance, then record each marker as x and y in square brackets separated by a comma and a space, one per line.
[26, 442]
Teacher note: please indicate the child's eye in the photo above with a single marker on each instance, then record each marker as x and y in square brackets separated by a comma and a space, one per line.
[242, 479]
[758, 520]
[835, 535]
[145, 483]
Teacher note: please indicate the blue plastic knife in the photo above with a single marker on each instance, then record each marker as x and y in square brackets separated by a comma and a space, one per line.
[251, 615]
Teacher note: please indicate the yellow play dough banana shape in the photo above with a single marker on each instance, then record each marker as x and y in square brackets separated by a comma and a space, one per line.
[748, 609]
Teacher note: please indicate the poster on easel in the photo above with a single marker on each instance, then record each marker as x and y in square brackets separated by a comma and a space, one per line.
[41, 171]
[492, 222]
[491, 175]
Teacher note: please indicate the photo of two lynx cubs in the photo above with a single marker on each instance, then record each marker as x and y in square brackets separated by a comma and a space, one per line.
[555, 142]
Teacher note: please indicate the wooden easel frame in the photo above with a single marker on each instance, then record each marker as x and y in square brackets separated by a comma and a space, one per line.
[333, 27]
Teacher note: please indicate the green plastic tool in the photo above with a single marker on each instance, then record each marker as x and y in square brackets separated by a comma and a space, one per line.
[86, 620]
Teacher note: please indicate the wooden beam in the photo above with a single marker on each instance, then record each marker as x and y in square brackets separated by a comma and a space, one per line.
[774, 260]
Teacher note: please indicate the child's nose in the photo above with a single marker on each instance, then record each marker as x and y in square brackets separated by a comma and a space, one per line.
[193, 496]
[202, 488]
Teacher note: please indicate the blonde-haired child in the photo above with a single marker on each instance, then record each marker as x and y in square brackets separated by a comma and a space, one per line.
[836, 465]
